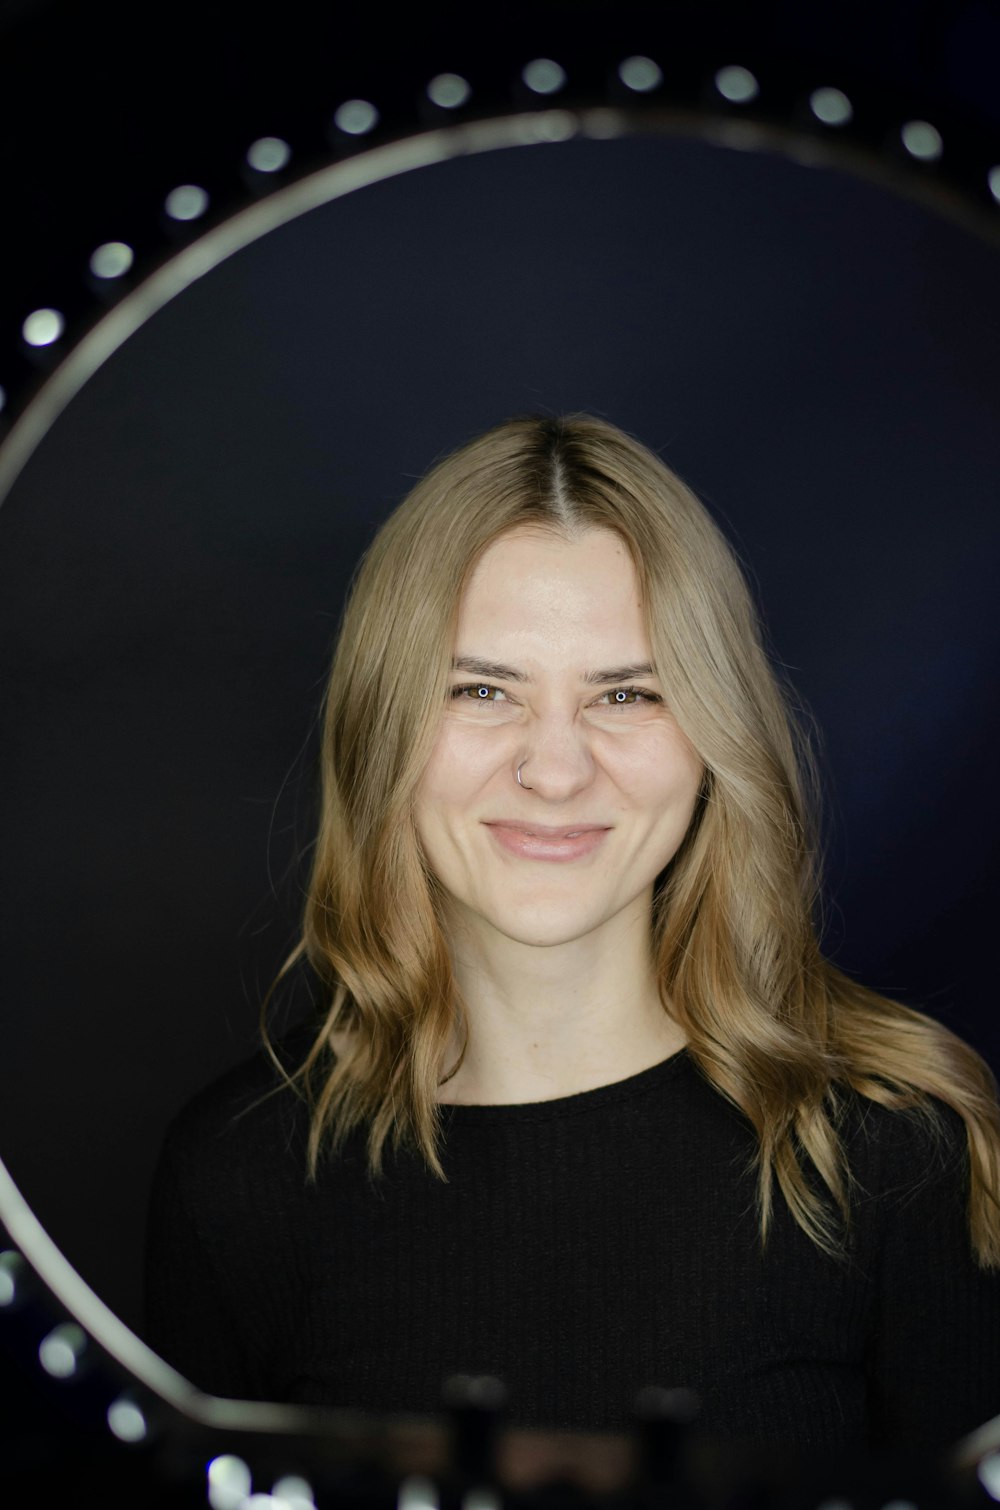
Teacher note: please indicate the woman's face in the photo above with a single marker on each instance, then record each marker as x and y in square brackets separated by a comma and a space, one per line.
[555, 630]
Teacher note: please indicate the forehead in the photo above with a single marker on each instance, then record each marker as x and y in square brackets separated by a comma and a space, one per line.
[535, 581]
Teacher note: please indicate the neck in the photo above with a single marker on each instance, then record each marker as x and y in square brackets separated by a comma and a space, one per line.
[551, 1020]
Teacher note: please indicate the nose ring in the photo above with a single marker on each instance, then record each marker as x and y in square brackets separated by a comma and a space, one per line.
[519, 781]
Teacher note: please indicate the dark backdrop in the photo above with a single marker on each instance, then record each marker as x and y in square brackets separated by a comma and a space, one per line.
[817, 358]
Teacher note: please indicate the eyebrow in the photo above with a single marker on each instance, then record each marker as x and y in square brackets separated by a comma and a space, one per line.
[498, 672]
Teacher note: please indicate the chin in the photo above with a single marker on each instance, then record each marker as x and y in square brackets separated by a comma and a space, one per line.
[542, 928]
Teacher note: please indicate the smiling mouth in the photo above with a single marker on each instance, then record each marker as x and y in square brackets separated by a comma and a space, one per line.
[550, 833]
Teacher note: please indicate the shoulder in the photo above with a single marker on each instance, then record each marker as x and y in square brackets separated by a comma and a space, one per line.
[933, 1129]
[905, 1155]
[227, 1207]
[247, 1129]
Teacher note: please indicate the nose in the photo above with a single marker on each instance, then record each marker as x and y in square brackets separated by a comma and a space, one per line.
[557, 759]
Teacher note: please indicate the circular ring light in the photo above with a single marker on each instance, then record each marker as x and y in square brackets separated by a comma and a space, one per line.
[139, 1398]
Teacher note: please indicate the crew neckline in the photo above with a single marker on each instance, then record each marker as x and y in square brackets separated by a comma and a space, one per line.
[575, 1104]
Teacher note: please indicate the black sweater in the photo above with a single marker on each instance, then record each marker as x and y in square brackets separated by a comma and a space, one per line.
[581, 1248]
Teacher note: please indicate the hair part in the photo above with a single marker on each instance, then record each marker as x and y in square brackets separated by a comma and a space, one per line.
[775, 1027]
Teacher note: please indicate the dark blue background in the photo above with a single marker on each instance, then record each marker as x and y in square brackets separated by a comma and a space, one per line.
[171, 569]
[816, 357]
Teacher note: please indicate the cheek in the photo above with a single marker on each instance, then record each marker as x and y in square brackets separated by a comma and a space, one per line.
[659, 767]
[459, 763]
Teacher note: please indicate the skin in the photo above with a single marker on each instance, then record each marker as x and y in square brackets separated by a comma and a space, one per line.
[553, 959]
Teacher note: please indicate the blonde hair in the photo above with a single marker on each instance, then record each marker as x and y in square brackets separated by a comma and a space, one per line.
[775, 1027]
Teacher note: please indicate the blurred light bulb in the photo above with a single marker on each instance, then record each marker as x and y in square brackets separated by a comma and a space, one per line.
[11, 1263]
[448, 90]
[60, 1352]
[42, 327]
[922, 140]
[293, 1493]
[417, 1493]
[831, 106]
[355, 117]
[640, 74]
[186, 202]
[544, 76]
[126, 1420]
[988, 1474]
[737, 85]
[229, 1482]
[268, 154]
[111, 260]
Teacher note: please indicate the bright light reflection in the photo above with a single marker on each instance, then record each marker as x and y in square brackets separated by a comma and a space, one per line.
[544, 76]
[355, 117]
[229, 1482]
[417, 1493]
[186, 202]
[922, 140]
[640, 74]
[269, 154]
[126, 1420]
[737, 85]
[293, 1493]
[59, 1353]
[42, 327]
[448, 90]
[831, 106]
[111, 259]
[988, 1474]
[993, 179]
[11, 1263]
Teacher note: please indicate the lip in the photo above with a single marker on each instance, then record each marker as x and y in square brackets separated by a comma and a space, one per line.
[547, 830]
[542, 842]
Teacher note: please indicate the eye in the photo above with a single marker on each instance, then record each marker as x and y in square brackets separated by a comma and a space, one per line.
[630, 697]
[480, 692]
[617, 697]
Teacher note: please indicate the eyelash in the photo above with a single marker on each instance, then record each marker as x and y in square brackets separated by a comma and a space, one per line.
[646, 697]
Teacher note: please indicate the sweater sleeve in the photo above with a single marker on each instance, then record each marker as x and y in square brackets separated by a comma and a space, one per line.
[222, 1280]
[934, 1361]
[195, 1320]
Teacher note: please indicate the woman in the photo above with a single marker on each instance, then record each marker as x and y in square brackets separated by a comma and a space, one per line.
[583, 1105]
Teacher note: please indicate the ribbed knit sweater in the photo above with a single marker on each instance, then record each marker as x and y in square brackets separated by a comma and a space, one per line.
[581, 1248]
